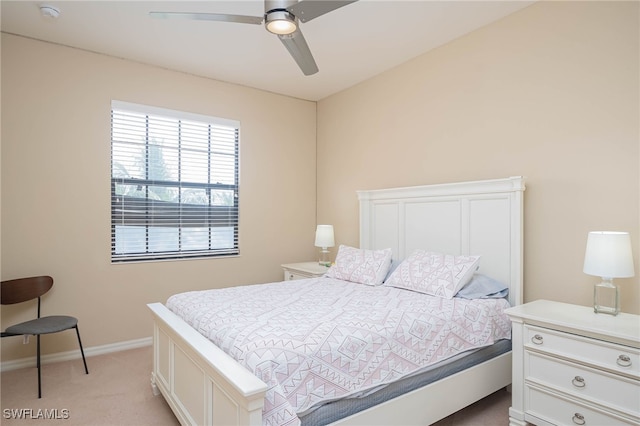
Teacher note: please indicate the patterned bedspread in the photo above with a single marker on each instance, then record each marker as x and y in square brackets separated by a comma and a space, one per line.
[321, 339]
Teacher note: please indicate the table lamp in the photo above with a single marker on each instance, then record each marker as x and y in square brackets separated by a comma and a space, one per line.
[608, 255]
[324, 240]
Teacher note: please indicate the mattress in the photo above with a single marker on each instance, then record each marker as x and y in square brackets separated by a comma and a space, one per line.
[339, 409]
[319, 340]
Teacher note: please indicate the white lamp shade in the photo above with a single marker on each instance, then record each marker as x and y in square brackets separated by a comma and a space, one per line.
[324, 236]
[608, 255]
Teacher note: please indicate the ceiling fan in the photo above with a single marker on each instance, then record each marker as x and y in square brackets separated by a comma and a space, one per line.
[281, 18]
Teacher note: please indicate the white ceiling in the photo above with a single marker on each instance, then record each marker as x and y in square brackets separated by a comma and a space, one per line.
[350, 44]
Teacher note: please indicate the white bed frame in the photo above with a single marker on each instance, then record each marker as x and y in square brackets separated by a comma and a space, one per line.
[205, 386]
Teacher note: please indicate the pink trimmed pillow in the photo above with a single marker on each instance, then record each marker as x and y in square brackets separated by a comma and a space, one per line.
[362, 266]
[436, 274]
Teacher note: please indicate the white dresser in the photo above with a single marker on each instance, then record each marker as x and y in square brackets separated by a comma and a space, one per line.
[572, 366]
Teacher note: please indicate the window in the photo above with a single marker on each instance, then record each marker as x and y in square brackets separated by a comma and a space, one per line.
[174, 184]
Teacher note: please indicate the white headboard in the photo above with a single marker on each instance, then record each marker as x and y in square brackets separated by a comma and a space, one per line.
[472, 218]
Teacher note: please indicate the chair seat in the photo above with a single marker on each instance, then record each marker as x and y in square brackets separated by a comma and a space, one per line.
[44, 325]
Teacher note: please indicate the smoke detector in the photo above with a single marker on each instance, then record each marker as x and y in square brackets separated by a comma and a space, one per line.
[49, 12]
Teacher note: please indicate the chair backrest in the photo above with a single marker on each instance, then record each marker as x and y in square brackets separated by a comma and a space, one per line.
[23, 289]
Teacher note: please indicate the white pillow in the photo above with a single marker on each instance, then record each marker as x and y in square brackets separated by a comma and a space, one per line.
[361, 266]
[436, 274]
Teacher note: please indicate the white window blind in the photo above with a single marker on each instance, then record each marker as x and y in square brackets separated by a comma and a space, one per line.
[174, 184]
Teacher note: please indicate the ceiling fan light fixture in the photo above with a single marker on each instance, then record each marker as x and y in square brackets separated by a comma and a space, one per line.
[280, 22]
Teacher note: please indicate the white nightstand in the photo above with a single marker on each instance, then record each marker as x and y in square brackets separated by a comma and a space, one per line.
[298, 271]
[572, 366]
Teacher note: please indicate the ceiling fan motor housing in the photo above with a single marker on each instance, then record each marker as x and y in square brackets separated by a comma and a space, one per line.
[277, 5]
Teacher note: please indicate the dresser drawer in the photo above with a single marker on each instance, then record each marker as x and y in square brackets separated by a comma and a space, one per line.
[558, 410]
[613, 391]
[612, 357]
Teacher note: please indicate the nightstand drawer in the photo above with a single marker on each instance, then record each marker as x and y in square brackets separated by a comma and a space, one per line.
[615, 392]
[616, 358]
[562, 411]
[289, 276]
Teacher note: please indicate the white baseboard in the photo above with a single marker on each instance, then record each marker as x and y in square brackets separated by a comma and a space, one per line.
[75, 354]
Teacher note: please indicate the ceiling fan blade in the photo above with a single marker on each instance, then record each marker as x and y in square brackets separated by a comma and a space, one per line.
[241, 19]
[299, 50]
[307, 10]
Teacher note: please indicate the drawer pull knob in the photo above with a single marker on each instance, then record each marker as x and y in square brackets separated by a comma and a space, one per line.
[623, 361]
[578, 419]
[537, 339]
[578, 382]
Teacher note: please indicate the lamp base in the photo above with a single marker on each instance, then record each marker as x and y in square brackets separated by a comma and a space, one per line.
[606, 298]
[324, 258]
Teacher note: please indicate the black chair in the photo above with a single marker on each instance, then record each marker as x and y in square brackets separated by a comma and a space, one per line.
[25, 289]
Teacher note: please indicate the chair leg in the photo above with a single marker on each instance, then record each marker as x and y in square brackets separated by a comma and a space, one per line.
[38, 364]
[86, 370]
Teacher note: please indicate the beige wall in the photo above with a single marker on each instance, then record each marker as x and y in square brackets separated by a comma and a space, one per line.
[56, 183]
[550, 93]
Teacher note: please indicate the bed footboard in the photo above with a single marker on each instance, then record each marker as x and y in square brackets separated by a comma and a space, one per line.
[202, 384]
